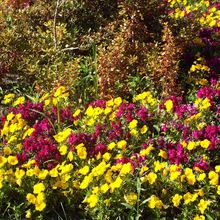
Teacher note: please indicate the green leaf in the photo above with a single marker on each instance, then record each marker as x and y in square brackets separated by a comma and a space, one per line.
[157, 128]
[128, 206]
[209, 217]
[145, 201]
[138, 186]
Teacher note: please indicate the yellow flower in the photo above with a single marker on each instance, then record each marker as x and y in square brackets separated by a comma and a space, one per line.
[7, 151]
[147, 151]
[31, 198]
[90, 122]
[106, 156]
[217, 168]
[29, 164]
[40, 202]
[117, 101]
[201, 177]
[151, 177]
[53, 172]
[155, 202]
[39, 187]
[84, 170]
[133, 124]
[174, 175]
[190, 176]
[205, 143]
[98, 111]
[112, 116]
[66, 168]
[193, 68]
[191, 145]
[86, 181]
[199, 217]
[8, 98]
[200, 192]
[158, 166]
[110, 103]
[30, 172]
[43, 174]
[203, 204]
[116, 184]
[10, 116]
[92, 200]
[104, 188]
[142, 96]
[100, 169]
[63, 149]
[194, 197]
[63, 135]
[118, 156]
[12, 139]
[169, 105]
[131, 198]
[191, 179]
[144, 129]
[76, 113]
[108, 176]
[89, 111]
[19, 173]
[70, 156]
[126, 168]
[3, 161]
[1, 185]
[165, 172]
[107, 110]
[28, 132]
[12, 160]
[98, 156]
[13, 128]
[81, 152]
[212, 23]
[187, 197]
[21, 124]
[122, 144]
[213, 176]
[28, 213]
[202, 104]
[143, 169]
[218, 190]
[133, 132]
[19, 101]
[75, 184]
[176, 200]
[61, 92]
[36, 170]
[47, 102]
[162, 154]
[45, 96]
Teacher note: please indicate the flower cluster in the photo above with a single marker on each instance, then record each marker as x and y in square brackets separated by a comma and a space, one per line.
[206, 12]
[146, 157]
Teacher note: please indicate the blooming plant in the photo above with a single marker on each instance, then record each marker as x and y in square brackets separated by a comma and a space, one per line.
[113, 158]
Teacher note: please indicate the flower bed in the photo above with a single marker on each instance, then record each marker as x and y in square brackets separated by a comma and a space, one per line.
[146, 159]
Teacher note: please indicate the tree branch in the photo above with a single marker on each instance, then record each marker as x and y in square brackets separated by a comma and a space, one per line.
[55, 24]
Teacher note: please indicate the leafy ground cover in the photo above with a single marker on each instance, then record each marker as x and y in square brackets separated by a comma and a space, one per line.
[122, 121]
